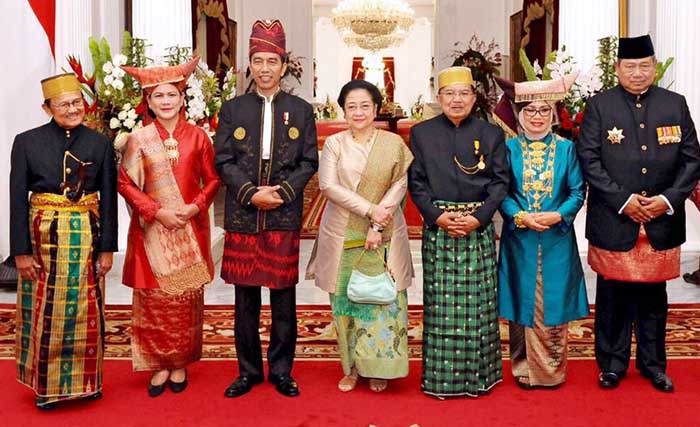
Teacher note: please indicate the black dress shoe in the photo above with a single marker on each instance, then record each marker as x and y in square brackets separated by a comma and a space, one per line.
[178, 387]
[95, 396]
[156, 390]
[46, 406]
[608, 380]
[660, 381]
[242, 385]
[285, 385]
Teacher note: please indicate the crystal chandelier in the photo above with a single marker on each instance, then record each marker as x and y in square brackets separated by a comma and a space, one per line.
[373, 24]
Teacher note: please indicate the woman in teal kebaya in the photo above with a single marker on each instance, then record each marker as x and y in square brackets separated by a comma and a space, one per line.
[541, 284]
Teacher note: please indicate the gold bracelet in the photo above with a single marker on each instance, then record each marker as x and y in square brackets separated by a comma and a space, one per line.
[518, 219]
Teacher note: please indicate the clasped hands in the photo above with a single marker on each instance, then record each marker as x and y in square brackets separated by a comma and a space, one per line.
[174, 219]
[642, 209]
[267, 198]
[541, 221]
[456, 224]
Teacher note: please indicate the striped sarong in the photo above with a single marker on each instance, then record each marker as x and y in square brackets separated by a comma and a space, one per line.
[60, 325]
[461, 339]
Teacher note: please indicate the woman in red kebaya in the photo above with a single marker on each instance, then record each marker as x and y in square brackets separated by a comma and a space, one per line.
[167, 176]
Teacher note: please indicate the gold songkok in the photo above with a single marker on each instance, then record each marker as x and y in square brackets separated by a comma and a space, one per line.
[544, 90]
[59, 85]
[455, 75]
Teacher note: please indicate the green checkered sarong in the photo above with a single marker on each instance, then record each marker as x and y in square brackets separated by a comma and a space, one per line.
[461, 340]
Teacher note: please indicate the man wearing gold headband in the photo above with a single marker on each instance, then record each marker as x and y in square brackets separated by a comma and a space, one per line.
[458, 179]
[62, 238]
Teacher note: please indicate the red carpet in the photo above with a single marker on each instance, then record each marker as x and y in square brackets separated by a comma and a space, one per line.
[578, 403]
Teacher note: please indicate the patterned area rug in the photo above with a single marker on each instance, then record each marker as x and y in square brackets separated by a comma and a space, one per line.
[317, 337]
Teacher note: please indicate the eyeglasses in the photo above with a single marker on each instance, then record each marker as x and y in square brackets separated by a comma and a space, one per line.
[64, 107]
[532, 112]
[454, 94]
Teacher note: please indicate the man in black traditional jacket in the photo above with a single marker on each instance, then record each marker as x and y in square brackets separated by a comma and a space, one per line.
[640, 155]
[62, 238]
[266, 152]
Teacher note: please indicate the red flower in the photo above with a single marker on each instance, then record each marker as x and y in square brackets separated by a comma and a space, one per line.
[579, 118]
[564, 115]
[214, 122]
[576, 131]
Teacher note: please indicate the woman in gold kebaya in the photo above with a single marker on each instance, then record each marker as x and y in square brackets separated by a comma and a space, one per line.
[362, 173]
[167, 176]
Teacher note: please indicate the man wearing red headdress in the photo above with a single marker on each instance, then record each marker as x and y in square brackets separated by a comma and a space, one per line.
[266, 152]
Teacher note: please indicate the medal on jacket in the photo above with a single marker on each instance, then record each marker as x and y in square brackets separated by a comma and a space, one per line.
[171, 149]
[615, 135]
[471, 170]
[285, 118]
[239, 133]
[293, 133]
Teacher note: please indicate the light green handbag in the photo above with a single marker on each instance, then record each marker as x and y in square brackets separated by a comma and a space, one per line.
[364, 289]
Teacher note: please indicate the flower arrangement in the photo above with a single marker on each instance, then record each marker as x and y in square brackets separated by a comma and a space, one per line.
[483, 60]
[417, 109]
[113, 97]
[326, 111]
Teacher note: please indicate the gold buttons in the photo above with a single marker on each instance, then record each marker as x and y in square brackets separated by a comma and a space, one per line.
[638, 105]
[644, 193]
[641, 125]
[644, 148]
[67, 133]
[69, 171]
[644, 170]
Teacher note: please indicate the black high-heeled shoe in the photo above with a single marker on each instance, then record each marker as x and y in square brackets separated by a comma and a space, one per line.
[178, 387]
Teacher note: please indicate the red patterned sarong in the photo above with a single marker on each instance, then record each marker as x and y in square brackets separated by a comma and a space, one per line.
[268, 258]
[166, 329]
[640, 264]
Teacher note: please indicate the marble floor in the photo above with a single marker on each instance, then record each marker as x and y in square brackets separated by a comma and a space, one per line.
[220, 293]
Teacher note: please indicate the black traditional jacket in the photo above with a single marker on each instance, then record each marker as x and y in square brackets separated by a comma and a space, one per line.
[37, 166]
[293, 160]
[642, 144]
[435, 175]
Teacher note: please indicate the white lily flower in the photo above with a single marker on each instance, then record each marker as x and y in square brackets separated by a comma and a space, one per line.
[114, 123]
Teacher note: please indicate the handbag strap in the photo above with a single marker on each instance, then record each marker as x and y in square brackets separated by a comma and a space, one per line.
[379, 254]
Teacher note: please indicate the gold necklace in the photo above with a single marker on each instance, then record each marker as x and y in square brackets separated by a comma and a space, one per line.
[171, 150]
[368, 139]
[538, 171]
[471, 170]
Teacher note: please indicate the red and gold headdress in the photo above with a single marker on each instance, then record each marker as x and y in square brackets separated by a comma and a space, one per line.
[152, 77]
[268, 36]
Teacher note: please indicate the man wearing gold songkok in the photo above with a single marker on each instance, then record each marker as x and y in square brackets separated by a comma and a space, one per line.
[266, 152]
[640, 155]
[62, 238]
[458, 179]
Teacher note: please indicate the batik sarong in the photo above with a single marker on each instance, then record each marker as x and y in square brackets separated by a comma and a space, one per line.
[539, 354]
[461, 340]
[166, 330]
[60, 324]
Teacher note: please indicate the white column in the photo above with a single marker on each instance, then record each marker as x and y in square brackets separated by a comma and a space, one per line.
[163, 23]
[74, 24]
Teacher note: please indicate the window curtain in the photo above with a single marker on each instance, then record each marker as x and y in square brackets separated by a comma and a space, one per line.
[677, 36]
[163, 23]
[582, 24]
[358, 73]
[540, 32]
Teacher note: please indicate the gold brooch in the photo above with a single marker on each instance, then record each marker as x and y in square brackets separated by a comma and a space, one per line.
[615, 135]
[239, 133]
[293, 133]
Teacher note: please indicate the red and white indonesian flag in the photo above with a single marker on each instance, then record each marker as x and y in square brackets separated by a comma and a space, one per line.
[27, 29]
